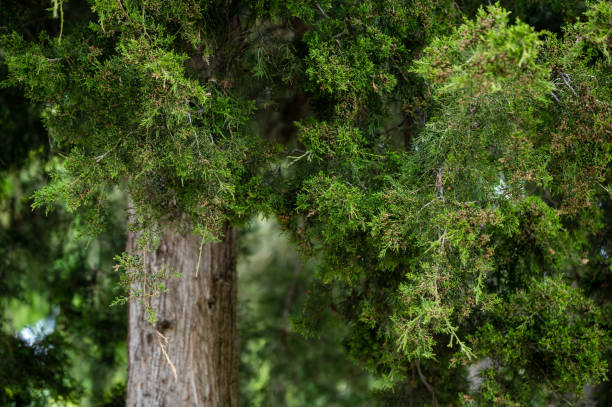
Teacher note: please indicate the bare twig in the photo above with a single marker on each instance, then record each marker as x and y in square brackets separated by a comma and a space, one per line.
[440, 183]
[199, 257]
[429, 387]
[160, 336]
[321, 10]
[568, 82]
[122, 9]
[555, 96]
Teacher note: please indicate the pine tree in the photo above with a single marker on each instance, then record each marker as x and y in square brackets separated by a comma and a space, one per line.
[450, 176]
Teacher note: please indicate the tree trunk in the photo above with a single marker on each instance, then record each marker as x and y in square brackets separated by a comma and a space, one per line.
[196, 325]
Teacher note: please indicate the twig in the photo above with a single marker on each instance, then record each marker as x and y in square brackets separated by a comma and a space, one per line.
[427, 385]
[427, 204]
[122, 9]
[296, 159]
[567, 81]
[200, 256]
[440, 183]
[195, 133]
[555, 96]
[159, 336]
[321, 10]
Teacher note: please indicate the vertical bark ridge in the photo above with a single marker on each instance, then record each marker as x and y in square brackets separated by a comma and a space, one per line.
[198, 317]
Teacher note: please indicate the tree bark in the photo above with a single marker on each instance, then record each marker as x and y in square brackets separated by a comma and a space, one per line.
[195, 334]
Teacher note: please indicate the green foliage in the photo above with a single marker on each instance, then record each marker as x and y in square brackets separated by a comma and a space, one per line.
[479, 206]
[139, 285]
[176, 142]
[595, 32]
[485, 57]
[550, 15]
[549, 328]
[452, 177]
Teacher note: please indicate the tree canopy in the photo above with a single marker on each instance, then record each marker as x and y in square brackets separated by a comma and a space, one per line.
[446, 167]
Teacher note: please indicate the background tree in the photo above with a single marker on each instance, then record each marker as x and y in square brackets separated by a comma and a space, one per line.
[59, 338]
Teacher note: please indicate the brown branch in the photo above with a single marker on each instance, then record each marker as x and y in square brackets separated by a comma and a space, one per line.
[429, 387]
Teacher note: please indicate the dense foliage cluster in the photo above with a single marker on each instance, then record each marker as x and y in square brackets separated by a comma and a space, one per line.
[450, 176]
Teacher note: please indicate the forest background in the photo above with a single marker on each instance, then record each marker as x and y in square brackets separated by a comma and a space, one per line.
[63, 343]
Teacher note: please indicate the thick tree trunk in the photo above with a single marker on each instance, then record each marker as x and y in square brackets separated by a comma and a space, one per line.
[196, 324]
